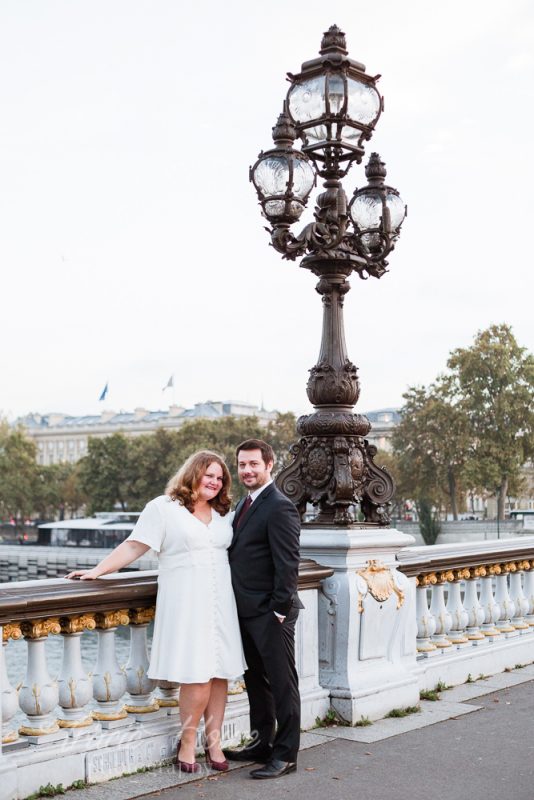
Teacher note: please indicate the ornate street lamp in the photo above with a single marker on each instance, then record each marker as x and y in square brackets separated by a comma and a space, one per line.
[332, 106]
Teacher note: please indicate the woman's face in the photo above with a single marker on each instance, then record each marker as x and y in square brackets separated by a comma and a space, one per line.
[211, 482]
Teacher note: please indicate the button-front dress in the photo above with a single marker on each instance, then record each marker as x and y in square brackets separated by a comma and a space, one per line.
[196, 630]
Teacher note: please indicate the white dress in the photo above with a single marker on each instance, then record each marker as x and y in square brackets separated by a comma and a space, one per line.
[196, 630]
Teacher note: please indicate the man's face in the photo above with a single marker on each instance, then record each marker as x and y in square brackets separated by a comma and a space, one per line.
[252, 470]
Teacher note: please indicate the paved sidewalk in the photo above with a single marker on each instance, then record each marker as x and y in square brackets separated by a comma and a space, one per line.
[476, 743]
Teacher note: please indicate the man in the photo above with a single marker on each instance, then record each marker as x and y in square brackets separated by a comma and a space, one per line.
[264, 559]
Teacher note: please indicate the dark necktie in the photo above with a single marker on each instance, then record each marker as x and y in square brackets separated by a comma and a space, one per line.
[244, 508]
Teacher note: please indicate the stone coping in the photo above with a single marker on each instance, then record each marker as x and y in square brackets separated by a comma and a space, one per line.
[53, 597]
[438, 557]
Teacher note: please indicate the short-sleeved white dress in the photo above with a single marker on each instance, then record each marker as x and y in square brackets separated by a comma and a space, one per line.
[196, 630]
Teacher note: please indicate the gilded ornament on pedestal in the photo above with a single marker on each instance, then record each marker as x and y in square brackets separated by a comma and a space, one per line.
[380, 581]
[24, 730]
[76, 723]
[236, 687]
[154, 706]
[103, 716]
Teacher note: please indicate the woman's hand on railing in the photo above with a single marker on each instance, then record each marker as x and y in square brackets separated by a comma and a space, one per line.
[84, 574]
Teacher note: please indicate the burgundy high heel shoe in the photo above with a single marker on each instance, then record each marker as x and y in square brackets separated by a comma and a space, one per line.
[185, 766]
[220, 766]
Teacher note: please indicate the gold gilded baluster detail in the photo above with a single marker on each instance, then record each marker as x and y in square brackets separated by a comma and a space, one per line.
[11, 631]
[78, 624]
[39, 628]
[142, 616]
[112, 619]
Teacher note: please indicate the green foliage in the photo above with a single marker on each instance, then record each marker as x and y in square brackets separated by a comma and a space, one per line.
[403, 712]
[19, 482]
[363, 722]
[60, 491]
[104, 472]
[47, 791]
[441, 686]
[429, 523]
[432, 446]
[429, 694]
[129, 472]
[493, 382]
[329, 719]
[472, 429]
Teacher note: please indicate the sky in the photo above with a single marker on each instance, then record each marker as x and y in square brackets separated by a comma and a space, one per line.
[132, 247]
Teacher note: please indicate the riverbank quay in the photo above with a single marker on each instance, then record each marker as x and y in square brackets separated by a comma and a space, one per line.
[35, 562]
[460, 742]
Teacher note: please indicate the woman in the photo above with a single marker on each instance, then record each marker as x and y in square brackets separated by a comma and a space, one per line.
[196, 638]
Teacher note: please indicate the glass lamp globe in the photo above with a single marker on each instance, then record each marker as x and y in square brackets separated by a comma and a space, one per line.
[377, 210]
[333, 102]
[283, 177]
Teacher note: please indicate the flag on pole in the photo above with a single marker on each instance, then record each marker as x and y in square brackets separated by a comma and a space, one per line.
[169, 384]
[103, 392]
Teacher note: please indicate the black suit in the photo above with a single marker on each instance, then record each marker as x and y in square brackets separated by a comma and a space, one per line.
[264, 559]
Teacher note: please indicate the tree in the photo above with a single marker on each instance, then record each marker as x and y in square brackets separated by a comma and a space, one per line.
[19, 484]
[60, 491]
[432, 445]
[105, 474]
[493, 382]
[281, 434]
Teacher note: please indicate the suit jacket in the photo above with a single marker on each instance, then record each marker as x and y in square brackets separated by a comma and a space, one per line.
[264, 555]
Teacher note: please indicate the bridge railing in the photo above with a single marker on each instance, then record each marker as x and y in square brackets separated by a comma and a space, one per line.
[474, 607]
[95, 717]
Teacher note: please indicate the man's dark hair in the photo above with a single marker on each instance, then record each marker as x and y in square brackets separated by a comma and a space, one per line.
[267, 452]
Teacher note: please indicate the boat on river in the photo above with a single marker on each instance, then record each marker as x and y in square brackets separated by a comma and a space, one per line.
[104, 529]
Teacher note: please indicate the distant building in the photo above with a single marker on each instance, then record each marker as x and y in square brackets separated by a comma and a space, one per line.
[60, 437]
[384, 422]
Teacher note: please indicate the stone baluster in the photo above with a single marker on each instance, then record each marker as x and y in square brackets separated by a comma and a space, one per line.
[529, 592]
[426, 622]
[109, 680]
[75, 685]
[168, 696]
[439, 611]
[492, 610]
[9, 784]
[475, 612]
[502, 596]
[139, 685]
[518, 596]
[38, 696]
[456, 609]
[10, 698]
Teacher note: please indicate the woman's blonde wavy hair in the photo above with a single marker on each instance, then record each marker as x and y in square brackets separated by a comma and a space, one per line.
[184, 485]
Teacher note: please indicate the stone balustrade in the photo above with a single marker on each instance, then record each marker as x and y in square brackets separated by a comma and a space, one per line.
[474, 607]
[91, 726]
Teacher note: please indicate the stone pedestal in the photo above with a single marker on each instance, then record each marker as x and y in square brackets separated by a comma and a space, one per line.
[367, 621]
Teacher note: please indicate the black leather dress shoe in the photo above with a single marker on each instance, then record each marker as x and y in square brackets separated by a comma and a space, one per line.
[254, 754]
[274, 769]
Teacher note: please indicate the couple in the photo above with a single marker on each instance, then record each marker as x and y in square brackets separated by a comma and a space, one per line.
[200, 636]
